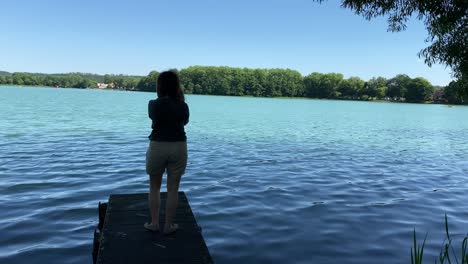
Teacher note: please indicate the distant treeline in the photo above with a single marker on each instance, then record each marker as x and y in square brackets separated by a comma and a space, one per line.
[262, 82]
[69, 80]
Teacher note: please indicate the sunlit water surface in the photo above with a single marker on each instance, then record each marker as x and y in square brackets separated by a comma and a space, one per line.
[269, 180]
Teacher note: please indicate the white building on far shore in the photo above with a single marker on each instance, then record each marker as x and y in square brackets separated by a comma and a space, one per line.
[102, 85]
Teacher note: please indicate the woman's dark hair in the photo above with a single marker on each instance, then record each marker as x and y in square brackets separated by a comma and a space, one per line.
[169, 85]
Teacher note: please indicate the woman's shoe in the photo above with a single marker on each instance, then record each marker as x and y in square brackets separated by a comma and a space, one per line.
[151, 227]
[169, 230]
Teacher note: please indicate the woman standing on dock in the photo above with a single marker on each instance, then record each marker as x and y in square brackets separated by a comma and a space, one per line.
[167, 149]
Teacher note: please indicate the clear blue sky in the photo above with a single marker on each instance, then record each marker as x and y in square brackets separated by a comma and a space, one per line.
[135, 37]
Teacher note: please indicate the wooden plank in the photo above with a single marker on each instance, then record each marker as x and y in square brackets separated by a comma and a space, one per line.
[124, 240]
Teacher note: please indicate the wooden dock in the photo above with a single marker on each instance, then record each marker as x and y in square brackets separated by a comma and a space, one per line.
[121, 238]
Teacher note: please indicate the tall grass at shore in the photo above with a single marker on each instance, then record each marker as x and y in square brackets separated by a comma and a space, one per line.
[447, 253]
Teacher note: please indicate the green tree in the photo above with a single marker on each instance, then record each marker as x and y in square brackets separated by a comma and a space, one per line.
[397, 86]
[193, 79]
[283, 82]
[219, 81]
[75, 80]
[130, 83]
[293, 83]
[148, 83]
[446, 22]
[237, 78]
[274, 83]
[376, 87]
[18, 78]
[256, 82]
[381, 91]
[312, 85]
[83, 83]
[6, 79]
[330, 83]
[186, 80]
[419, 90]
[454, 92]
[350, 88]
[108, 78]
[318, 85]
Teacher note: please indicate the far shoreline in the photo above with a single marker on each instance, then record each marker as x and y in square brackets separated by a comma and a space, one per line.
[243, 96]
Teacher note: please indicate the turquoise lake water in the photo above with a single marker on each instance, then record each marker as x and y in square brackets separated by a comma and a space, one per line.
[269, 180]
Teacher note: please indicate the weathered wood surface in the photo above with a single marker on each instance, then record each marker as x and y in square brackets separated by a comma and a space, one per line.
[124, 240]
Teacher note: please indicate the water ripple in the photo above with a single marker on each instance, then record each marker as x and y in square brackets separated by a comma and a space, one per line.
[300, 181]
